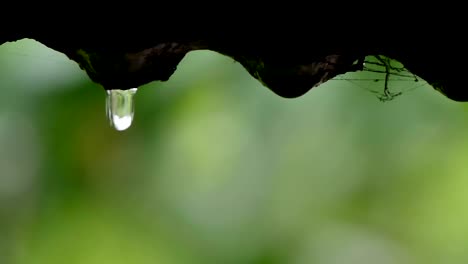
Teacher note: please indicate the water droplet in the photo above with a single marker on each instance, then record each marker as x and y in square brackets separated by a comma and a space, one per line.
[120, 108]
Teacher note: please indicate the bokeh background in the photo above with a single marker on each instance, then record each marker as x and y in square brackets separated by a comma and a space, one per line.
[218, 169]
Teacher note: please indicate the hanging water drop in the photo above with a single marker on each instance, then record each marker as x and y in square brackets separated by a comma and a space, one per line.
[120, 108]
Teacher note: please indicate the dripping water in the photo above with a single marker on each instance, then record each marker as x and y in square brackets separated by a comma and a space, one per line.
[120, 108]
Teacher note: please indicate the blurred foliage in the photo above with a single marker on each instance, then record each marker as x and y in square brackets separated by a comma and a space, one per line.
[218, 169]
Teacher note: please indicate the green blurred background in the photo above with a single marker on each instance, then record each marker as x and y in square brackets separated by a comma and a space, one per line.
[218, 169]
